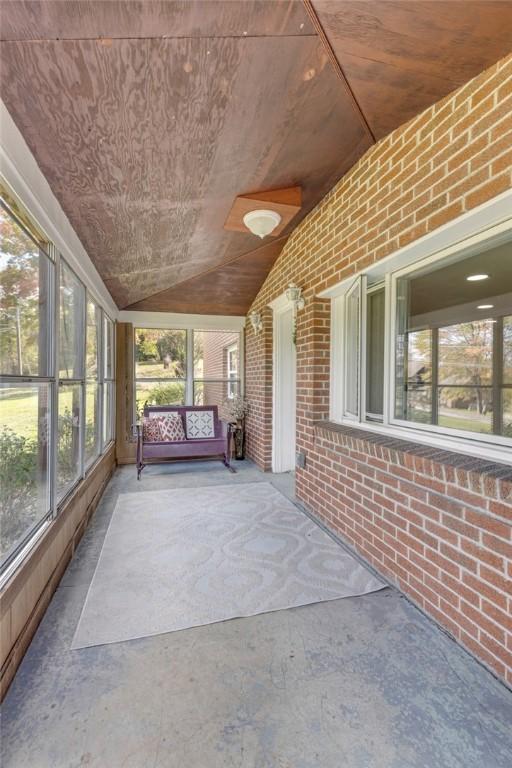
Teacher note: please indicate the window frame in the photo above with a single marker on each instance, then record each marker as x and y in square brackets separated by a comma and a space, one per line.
[162, 380]
[16, 557]
[231, 379]
[46, 249]
[386, 274]
[190, 380]
[480, 437]
[106, 380]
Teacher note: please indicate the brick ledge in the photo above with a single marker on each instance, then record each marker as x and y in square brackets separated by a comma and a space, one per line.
[450, 466]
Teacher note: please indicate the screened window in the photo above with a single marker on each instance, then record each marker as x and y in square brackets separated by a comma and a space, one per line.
[71, 379]
[92, 387]
[160, 367]
[177, 367]
[108, 381]
[56, 400]
[26, 279]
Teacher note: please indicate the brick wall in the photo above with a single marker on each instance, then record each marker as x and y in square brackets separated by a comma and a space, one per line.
[454, 561]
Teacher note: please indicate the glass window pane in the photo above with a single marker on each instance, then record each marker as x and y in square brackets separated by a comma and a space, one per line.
[108, 348]
[92, 334]
[159, 393]
[108, 412]
[215, 353]
[506, 405]
[160, 354]
[24, 461]
[71, 325]
[25, 291]
[418, 403]
[448, 330]
[215, 392]
[92, 426]
[468, 408]
[465, 353]
[352, 353]
[375, 353]
[507, 350]
[68, 437]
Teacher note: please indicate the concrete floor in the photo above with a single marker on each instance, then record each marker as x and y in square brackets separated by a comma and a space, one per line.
[364, 682]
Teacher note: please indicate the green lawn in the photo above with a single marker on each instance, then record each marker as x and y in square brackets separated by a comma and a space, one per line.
[19, 410]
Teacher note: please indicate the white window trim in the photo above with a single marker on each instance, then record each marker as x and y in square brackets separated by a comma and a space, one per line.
[492, 447]
[231, 373]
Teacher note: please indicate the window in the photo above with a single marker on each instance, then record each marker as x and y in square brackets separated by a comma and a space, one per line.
[442, 363]
[108, 381]
[26, 283]
[453, 338]
[160, 367]
[232, 369]
[52, 413]
[92, 387]
[216, 377]
[375, 318]
[174, 367]
[71, 380]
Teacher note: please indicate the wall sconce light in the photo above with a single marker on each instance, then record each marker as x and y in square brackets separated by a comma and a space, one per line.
[256, 322]
[294, 296]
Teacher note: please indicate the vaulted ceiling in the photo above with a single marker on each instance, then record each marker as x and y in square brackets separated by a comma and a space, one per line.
[148, 118]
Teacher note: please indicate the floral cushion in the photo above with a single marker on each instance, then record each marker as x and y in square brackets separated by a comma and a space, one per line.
[151, 431]
[171, 427]
[199, 425]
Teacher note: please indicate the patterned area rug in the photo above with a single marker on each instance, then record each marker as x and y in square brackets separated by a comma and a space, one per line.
[193, 556]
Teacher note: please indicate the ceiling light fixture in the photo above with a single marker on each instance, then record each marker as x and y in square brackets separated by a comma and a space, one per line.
[485, 306]
[262, 222]
[474, 278]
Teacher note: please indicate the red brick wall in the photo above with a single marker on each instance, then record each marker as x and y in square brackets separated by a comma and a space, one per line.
[455, 562]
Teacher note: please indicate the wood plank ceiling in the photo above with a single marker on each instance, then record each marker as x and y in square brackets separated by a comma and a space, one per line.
[149, 117]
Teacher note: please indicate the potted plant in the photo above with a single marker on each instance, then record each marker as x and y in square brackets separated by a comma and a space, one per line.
[236, 409]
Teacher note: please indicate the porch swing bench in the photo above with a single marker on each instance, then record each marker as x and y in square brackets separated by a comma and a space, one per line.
[198, 434]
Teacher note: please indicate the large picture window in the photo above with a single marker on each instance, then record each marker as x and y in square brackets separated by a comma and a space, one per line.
[428, 347]
[177, 367]
[26, 282]
[53, 419]
[160, 367]
[452, 341]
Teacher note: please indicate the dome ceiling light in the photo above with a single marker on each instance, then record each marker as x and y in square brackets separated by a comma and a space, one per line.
[264, 213]
[261, 222]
